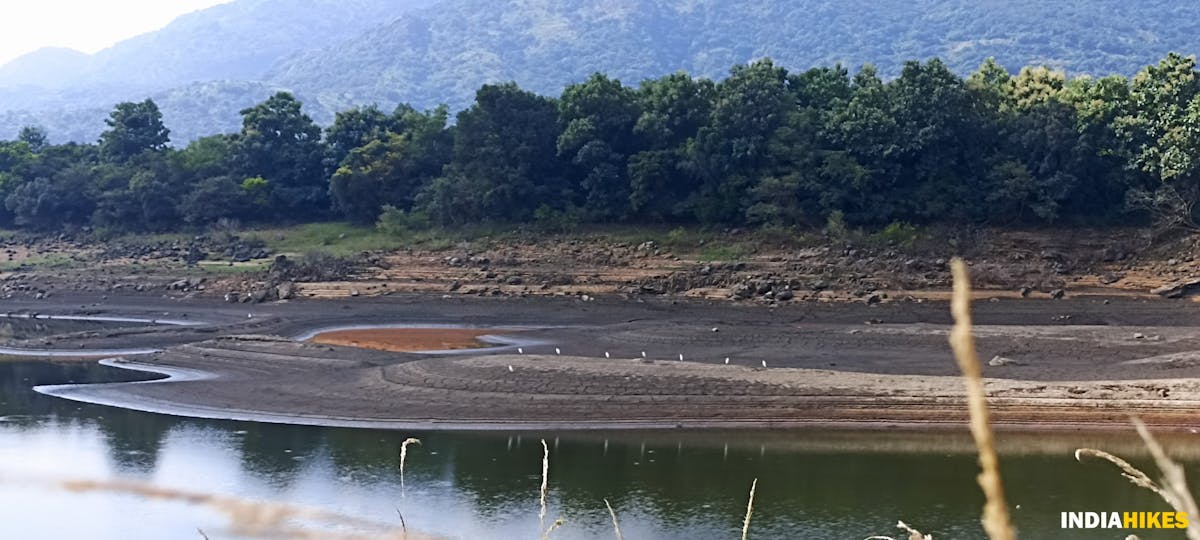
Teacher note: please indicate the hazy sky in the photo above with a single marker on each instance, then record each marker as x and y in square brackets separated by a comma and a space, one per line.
[86, 25]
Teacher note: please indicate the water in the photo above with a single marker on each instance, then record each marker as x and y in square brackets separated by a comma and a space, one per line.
[664, 485]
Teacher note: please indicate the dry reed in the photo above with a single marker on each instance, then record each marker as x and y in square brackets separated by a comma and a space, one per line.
[1172, 487]
[247, 518]
[403, 456]
[616, 526]
[545, 483]
[749, 510]
[996, 521]
[913, 534]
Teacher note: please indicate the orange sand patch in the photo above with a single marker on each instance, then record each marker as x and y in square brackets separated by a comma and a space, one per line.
[407, 339]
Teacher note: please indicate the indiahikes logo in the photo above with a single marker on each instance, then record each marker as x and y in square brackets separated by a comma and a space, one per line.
[1124, 520]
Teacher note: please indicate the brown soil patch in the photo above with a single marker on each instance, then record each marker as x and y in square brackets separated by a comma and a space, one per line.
[407, 339]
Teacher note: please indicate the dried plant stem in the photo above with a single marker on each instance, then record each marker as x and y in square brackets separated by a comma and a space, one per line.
[616, 526]
[749, 510]
[403, 456]
[1172, 488]
[247, 518]
[913, 534]
[545, 483]
[996, 521]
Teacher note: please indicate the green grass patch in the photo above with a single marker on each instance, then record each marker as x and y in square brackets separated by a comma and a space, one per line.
[55, 261]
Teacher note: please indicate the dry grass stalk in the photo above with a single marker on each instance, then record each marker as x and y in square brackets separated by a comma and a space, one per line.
[247, 518]
[557, 523]
[996, 520]
[403, 456]
[913, 534]
[616, 526]
[545, 483]
[1173, 487]
[749, 510]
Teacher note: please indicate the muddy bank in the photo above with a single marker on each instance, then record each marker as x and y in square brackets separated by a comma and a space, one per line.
[1079, 363]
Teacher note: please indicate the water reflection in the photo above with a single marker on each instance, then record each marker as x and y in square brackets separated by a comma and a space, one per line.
[668, 485]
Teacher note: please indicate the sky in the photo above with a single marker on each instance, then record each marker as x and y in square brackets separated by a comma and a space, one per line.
[84, 25]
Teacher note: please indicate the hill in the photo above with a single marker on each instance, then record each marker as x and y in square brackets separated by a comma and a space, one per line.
[425, 52]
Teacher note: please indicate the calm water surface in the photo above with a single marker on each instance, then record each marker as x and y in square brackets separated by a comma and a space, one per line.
[666, 485]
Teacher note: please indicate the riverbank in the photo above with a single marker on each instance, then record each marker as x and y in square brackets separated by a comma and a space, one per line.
[1075, 364]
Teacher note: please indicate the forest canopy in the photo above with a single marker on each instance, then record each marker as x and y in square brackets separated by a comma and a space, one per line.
[763, 146]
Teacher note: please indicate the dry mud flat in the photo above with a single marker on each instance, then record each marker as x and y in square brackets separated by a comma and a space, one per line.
[1081, 363]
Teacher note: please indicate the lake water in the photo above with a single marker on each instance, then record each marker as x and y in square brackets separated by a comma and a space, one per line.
[664, 485]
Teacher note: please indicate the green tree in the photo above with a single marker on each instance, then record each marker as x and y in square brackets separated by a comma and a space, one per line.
[1162, 129]
[673, 109]
[281, 144]
[389, 171]
[598, 118]
[504, 162]
[133, 128]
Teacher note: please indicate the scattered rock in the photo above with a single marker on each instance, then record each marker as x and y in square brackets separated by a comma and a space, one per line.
[1179, 289]
[1002, 361]
[1058, 294]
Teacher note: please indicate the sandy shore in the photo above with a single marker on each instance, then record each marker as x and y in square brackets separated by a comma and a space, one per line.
[1082, 363]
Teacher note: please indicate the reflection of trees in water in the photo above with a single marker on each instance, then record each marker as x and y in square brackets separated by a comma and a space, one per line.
[134, 438]
[272, 451]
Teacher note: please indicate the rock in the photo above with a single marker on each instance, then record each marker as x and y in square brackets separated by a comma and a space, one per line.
[515, 280]
[285, 290]
[1058, 294]
[1109, 279]
[1172, 262]
[354, 292]
[232, 297]
[455, 286]
[1139, 335]
[181, 285]
[1025, 292]
[1002, 361]
[259, 296]
[743, 291]
[1179, 289]
[874, 298]
[785, 295]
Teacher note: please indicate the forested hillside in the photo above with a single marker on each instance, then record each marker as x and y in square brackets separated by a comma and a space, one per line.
[442, 55]
[427, 52]
[764, 146]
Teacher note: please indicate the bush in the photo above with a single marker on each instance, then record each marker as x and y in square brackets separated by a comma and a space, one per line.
[397, 222]
[560, 221]
[897, 234]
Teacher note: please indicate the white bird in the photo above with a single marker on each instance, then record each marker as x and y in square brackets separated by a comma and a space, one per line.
[727, 360]
[764, 363]
[520, 350]
[680, 357]
[557, 351]
[643, 354]
[510, 369]
[606, 354]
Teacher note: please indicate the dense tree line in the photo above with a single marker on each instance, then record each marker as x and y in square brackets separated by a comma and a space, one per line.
[763, 146]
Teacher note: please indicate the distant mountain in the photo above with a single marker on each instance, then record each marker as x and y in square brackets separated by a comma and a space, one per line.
[444, 54]
[49, 67]
[238, 41]
[340, 53]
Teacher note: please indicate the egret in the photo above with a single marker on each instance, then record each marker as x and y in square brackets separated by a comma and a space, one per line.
[727, 360]
[510, 369]
[764, 362]
[557, 350]
[520, 350]
[606, 354]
